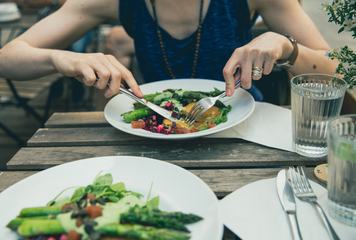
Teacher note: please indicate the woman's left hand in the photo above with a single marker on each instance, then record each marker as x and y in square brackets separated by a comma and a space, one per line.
[260, 54]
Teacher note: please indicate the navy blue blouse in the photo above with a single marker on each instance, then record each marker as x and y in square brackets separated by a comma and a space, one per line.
[226, 26]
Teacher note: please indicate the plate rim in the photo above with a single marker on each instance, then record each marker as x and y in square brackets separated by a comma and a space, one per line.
[220, 227]
[179, 136]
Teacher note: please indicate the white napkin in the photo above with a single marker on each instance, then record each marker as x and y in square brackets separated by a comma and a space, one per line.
[268, 125]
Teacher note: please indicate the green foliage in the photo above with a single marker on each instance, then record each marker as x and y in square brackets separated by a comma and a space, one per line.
[343, 13]
[347, 66]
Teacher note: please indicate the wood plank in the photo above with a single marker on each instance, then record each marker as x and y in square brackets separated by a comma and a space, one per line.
[199, 155]
[96, 136]
[27, 95]
[9, 178]
[77, 119]
[45, 137]
[222, 182]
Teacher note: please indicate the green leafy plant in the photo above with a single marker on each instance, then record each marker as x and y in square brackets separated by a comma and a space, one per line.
[343, 13]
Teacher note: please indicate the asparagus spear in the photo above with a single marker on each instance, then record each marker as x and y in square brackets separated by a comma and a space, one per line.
[136, 114]
[40, 211]
[141, 232]
[35, 227]
[158, 218]
[16, 222]
[148, 97]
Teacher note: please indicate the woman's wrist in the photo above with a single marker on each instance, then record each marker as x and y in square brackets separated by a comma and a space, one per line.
[287, 48]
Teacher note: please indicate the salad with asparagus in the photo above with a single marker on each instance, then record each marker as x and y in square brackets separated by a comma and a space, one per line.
[102, 210]
[179, 102]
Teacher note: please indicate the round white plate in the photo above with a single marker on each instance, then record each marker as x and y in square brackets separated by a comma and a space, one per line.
[254, 212]
[174, 185]
[242, 104]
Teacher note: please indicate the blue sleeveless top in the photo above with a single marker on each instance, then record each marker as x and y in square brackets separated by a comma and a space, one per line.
[226, 26]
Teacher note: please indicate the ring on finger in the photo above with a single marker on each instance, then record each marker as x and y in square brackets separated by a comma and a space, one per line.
[257, 72]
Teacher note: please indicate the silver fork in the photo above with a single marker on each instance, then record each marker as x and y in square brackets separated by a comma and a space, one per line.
[204, 105]
[303, 190]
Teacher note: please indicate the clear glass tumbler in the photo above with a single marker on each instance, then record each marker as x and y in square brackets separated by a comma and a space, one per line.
[315, 99]
[342, 169]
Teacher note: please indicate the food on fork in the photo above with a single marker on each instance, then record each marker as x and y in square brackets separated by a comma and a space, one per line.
[102, 210]
[180, 102]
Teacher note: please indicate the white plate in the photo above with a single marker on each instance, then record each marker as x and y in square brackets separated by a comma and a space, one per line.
[254, 212]
[242, 104]
[173, 184]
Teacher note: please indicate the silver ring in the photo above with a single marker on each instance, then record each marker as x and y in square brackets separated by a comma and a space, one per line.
[257, 72]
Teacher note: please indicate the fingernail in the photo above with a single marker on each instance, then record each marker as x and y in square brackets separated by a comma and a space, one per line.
[228, 92]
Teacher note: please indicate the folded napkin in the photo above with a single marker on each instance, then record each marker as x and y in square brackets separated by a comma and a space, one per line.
[268, 125]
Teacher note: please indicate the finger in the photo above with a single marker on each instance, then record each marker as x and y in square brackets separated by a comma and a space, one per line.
[258, 64]
[103, 75]
[246, 71]
[229, 72]
[268, 66]
[88, 76]
[127, 76]
[113, 86]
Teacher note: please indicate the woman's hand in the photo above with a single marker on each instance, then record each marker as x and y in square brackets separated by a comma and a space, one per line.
[99, 70]
[261, 53]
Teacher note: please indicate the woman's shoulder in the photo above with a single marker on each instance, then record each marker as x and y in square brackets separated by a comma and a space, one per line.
[103, 9]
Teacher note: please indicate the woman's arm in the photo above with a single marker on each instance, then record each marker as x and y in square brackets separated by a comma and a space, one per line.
[282, 17]
[33, 53]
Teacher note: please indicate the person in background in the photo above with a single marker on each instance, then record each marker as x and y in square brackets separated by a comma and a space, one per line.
[120, 45]
[173, 39]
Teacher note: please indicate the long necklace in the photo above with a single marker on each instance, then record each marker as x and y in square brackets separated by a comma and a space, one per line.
[163, 47]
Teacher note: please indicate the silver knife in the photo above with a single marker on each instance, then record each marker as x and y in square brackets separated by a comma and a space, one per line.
[286, 197]
[161, 111]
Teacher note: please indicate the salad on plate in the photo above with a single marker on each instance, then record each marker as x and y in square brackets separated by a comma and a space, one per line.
[179, 102]
[102, 210]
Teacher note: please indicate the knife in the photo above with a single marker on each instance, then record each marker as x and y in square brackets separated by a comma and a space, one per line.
[161, 111]
[287, 200]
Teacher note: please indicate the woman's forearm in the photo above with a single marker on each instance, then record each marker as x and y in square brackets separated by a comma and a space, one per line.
[20, 61]
[313, 61]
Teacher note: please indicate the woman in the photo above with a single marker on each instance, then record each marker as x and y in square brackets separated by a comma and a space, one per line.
[173, 39]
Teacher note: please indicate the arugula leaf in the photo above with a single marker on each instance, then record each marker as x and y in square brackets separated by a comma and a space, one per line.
[78, 194]
[153, 203]
[118, 187]
[223, 115]
[105, 179]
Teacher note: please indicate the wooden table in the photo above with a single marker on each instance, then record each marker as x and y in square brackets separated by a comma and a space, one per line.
[224, 164]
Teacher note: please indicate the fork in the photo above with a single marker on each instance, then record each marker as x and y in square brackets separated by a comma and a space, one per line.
[303, 191]
[204, 105]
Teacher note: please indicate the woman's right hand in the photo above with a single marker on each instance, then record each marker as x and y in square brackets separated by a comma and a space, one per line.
[95, 69]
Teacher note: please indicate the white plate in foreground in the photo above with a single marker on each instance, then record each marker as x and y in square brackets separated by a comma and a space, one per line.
[178, 189]
[242, 104]
[254, 212]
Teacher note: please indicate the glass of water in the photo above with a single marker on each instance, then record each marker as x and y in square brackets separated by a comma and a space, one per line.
[315, 99]
[342, 169]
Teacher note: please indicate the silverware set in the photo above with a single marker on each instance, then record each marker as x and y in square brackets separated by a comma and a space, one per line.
[293, 183]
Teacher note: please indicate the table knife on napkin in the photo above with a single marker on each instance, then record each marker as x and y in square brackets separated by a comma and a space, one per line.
[287, 200]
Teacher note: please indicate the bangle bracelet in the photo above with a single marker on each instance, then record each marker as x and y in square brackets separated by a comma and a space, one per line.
[287, 63]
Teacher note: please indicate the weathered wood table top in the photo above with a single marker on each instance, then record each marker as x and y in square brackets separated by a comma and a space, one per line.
[224, 164]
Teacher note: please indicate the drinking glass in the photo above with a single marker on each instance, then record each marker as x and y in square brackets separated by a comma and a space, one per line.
[315, 99]
[342, 169]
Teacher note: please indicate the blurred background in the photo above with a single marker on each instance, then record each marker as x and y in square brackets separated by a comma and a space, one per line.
[25, 106]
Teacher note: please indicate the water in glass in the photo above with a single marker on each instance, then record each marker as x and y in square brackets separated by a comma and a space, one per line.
[342, 169]
[315, 99]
